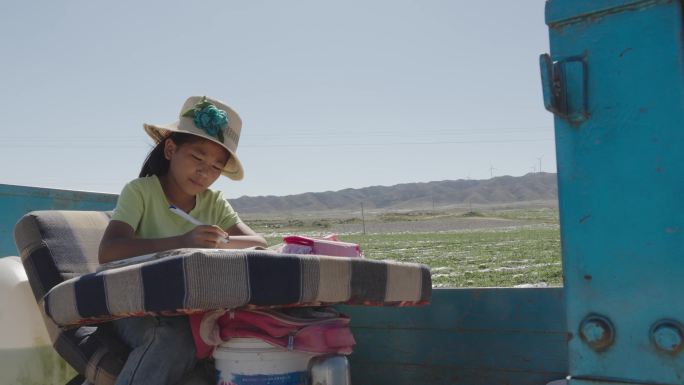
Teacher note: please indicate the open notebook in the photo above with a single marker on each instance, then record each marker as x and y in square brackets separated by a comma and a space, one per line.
[128, 261]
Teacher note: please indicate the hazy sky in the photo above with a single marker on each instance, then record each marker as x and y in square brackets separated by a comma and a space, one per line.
[332, 94]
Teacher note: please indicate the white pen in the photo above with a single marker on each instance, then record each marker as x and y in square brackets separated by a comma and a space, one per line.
[190, 219]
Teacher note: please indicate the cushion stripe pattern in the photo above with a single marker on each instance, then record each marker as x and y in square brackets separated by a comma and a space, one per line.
[274, 280]
[87, 292]
[310, 275]
[426, 284]
[63, 303]
[403, 283]
[211, 278]
[42, 273]
[56, 246]
[163, 285]
[121, 302]
[368, 281]
[334, 280]
[186, 281]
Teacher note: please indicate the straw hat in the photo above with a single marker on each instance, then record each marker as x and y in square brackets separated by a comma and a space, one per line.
[210, 119]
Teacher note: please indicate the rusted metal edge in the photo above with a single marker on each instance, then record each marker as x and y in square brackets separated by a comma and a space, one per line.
[7, 190]
[561, 16]
[612, 380]
[463, 330]
[455, 367]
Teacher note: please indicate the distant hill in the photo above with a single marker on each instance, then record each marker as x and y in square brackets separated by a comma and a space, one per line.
[503, 189]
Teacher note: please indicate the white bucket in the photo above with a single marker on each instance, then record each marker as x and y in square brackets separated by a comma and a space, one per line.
[251, 361]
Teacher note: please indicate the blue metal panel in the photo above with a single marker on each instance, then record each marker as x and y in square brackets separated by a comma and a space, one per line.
[621, 188]
[571, 11]
[465, 337]
[15, 201]
[590, 382]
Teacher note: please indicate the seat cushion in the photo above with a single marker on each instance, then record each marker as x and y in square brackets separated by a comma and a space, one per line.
[185, 281]
[57, 246]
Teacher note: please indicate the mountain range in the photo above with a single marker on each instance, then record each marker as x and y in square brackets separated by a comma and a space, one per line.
[407, 196]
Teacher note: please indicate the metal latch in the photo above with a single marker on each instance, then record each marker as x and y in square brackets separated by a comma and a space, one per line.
[564, 86]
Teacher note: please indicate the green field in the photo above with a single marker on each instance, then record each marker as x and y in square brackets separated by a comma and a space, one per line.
[502, 247]
[475, 258]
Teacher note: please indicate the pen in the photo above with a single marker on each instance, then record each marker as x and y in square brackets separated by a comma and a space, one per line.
[190, 219]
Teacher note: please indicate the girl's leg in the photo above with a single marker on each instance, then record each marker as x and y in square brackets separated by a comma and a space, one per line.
[163, 351]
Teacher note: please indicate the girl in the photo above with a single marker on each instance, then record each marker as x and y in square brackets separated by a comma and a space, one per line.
[190, 155]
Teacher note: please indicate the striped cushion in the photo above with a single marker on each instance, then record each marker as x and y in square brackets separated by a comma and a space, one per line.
[56, 246]
[188, 280]
[59, 252]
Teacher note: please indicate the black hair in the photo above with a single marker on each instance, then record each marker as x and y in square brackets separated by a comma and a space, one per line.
[156, 163]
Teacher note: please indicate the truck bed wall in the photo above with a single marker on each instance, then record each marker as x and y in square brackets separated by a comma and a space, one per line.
[15, 201]
[465, 336]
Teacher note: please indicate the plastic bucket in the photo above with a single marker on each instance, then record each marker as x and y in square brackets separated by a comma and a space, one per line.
[26, 354]
[251, 361]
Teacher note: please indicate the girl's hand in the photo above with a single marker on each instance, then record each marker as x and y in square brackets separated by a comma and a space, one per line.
[204, 236]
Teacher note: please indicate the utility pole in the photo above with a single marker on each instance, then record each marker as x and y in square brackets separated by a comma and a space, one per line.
[363, 219]
[491, 171]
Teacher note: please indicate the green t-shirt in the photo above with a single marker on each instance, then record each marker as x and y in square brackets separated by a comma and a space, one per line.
[143, 205]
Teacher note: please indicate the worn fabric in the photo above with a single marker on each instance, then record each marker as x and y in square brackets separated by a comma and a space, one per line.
[143, 205]
[56, 246]
[188, 280]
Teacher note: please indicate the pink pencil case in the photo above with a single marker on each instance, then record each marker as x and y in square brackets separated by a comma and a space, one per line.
[329, 246]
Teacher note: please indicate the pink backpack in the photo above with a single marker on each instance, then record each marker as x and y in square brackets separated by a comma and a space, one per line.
[329, 245]
[303, 329]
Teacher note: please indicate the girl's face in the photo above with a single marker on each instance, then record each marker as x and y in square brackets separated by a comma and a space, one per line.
[195, 165]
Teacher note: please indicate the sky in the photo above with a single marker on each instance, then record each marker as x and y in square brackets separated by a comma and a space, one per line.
[332, 95]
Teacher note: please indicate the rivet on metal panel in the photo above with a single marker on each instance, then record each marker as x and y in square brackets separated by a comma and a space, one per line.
[667, 336]
[597, 332]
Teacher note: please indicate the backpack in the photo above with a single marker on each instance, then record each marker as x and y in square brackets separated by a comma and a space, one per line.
[313, 330]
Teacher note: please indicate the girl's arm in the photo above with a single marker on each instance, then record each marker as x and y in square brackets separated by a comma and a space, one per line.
[241, 237]
[119, 241]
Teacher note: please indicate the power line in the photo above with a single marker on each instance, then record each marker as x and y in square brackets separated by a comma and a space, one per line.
[422, 132]
[276, 136]
[288, 145]
[397, 143]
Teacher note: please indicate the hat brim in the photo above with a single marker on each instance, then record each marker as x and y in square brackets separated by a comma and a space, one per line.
[233, 168]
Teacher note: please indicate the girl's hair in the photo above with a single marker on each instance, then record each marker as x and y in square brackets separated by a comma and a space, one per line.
[156, 163]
